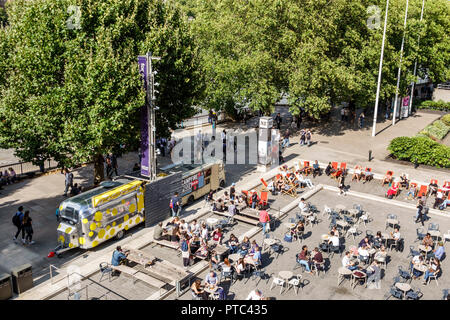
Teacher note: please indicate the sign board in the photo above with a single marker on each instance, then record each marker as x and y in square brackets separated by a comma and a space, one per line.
[265, 123]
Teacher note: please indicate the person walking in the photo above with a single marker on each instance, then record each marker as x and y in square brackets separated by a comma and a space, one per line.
[68, 176]
[264, 218]
[27, 226]
[114, 164]
[341, 185]
[18, 222]
[286, 139]
[175, 205]
[308, 136]
[302, 137]
[278, 121]
[361, 120]
[419, 216]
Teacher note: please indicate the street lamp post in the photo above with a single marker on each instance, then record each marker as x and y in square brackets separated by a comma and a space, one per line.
[379, 72]
[400, 65]
[415, 67]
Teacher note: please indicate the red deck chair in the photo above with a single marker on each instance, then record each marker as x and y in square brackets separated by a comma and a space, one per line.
[334, 165]
[422, 191]
[433, 181]
[343, 166]
[307, 168]
[265, 184]
[264, 199]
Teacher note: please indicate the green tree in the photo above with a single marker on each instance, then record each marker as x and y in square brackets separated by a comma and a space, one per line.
[72, 92]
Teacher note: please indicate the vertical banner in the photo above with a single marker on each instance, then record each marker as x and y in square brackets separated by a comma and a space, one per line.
[405, 107]
[145, 148]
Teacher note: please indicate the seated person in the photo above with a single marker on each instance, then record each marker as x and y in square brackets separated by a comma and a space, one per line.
[439, 199]
[392, 191]
[158, 233]
[210, 196]
[416, 261]
[244, 246]
[316, 169]
[411, 192]
[335, 232]
[368, 175]
[303, 259]
[334, 240]
[219, 206]
[293, 180]
[329, 169]
[337, 173]
[304, 181]
[299, 228]
[194, 228]
[317, 257]
[255, 199]
[239, 267]
[217, 235]
[363, 253]
[118, 257]
[347, 263]
[176, 234]
[184, 226]
[75, 190]
[226, 196]
[357, 173]
[12, 175]
[381, 255]
[435, 267]
[365, 242]
[387, 179]
[255, 257]
[174, 222]
[378, 240]
[233, 243]
[197, 289]
[373, 272]
[395, 236]
[242, 200]
[304, 207]
[214, 260]
[439, 251]
[433, 188]
[203, 250]
[271, 186]
[444, 205]
[211, 279]
[404, 182]
[226, 266]
[428, 241]
[253, 247]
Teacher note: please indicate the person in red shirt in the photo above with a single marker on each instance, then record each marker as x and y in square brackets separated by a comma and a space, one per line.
[264, 218]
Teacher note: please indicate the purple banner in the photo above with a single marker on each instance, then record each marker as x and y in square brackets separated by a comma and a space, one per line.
[145, 148]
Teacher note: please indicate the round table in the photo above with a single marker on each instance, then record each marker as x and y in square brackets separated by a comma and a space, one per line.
[211, 221]
[306, 213]
[233, 257]
[210, 290]
[340, 207]
[342, 224]
[391, 221]
[270, 241]
[286, 275]
[405, 287]
[356, 277]
[420, 267]
[325, 237]
[425, 249]
[289, 225]
[353, 212]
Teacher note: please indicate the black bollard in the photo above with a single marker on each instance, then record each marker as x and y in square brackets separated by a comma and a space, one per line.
[415, 164]
[370, 155]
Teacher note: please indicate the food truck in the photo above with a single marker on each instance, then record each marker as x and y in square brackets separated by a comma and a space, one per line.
[198, 179]
[107, 211]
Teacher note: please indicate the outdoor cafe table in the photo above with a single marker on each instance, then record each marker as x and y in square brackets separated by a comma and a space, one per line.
[353, 212]
[434, 234]
[420, 267]
[391, 222]
[234, 257]
[211, 289]
[358, 275]
[424, 249]
[341, 223]
[307, 213]
[289, 225]
[325, 237]
[385, 237]
[139, 257]
[286, 275]
[340, 207]
[405, 287]
[269, 242]
[211, 222]
[343, 271]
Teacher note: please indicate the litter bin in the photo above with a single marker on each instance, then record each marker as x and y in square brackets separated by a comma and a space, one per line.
[5, 286]
[22, 278]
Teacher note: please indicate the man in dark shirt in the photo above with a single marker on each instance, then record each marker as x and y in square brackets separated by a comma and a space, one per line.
[232, 191]
[433, 188]
[329, 169]
[175, 205]
[278, 121]
[317, 258]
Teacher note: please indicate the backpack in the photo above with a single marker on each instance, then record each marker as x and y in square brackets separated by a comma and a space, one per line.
[16, 219]
[184, 246]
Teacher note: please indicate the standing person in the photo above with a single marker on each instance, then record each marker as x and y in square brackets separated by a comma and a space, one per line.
[286, 139]
[17, 221]
[68, 176]
[175, 205]
[278, 121]
[264, 218]
[341, 185]
[302, 137]
[210, 116]
[223, 135]
[308, 137]
[419, 212]
[185, 251]
[114, 164]
[342, 114]
[361, 120]
[28, 228]
[109, 167]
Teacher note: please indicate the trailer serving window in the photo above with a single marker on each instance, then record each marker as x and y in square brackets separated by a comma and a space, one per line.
[69, 215]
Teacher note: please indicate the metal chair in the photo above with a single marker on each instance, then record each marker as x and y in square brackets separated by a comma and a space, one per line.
[334, 249]
[105, 269]
[394, 292]
[259, 273]
[445, 294]
[420, 234]
[352, 231]
[434, 277]
[412, 252]
[433, 226]
[296, 282]
[326, 211]
[405, 275]
[195, 296]
[414, 294]
[369, 234]
[278, 248]
[365, 218]
[318, 266]
[299, 236]
[226, 275]
[278, 282]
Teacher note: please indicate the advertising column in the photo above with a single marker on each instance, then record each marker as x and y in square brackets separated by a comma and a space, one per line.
[265, 143]
[145, 148]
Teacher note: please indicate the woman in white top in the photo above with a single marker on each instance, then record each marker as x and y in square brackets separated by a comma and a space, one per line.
[204, 232]
[357, 173]
[240, 266]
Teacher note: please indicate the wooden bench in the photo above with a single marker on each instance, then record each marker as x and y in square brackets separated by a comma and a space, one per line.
[167, 243]
[238, 217]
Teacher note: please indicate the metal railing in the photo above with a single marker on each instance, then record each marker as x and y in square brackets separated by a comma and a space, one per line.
[22, 168]
[445, 85]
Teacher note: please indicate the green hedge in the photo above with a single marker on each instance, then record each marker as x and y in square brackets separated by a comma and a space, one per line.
[425, 150]
[446, 119]
[435, 105]
[438, 130]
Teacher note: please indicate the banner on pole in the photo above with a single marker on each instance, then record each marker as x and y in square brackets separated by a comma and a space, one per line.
[145, 148]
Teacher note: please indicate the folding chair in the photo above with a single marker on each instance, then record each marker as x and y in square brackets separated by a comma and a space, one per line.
[289, 181]
[389, 175]
[370, 170]
[263, 202]
[334, 165]
[265, 185]
[292, 191]
[306, 167]
[343, 166]
[422, 191]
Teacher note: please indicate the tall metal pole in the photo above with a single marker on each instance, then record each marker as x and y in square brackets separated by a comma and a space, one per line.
[379, 72]
[400, 65]
[415, 67]
[151, 115]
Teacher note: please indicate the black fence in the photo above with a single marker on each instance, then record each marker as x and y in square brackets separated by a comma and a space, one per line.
[28, 168]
